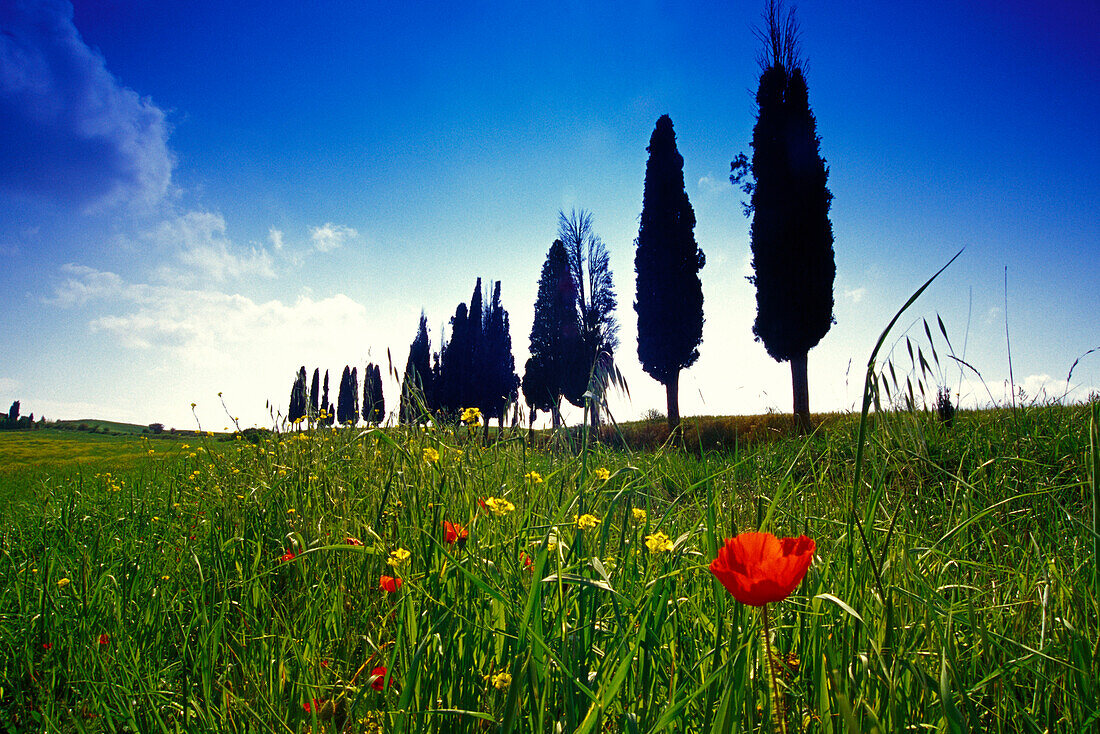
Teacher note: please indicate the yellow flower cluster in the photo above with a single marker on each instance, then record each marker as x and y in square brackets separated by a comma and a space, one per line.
[586, 521]
[501, 681]
[499, 506]
[533, 477]
[639, 515]
[658, 543]
[398, 557]
[471, 416]
[431, 455]
[602, 474]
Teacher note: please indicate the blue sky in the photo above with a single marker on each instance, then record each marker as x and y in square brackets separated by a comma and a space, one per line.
[200, 197]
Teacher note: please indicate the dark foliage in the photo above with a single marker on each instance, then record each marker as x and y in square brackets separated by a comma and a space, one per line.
[590, 267]
[417, 385]
[500, 384]
[669, 299]
[555, 336]
[374, 402]
[328, 408]
[347, 399]
[297, 410]
[314, 394]
[792, 238]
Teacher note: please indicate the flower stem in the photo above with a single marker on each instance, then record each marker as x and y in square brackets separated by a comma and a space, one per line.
[776, 696]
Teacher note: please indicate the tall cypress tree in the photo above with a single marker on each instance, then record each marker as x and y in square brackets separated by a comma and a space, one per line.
[791, 235]
[453, 361]
[374, 407]
[555, 336]
[669, 300]
[343, 397]
[499, 380]
[327, 407]
[353, 387]
[416, 384]
[314, 394]
[297, 409]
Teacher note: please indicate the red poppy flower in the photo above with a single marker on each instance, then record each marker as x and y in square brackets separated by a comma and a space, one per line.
[454, 533]
[353, 541]
[104, 639]
[47, 646]
[379, 680]
[288, 556]
[759, 568]
[389, 583]
[314, 705]
[527, 562]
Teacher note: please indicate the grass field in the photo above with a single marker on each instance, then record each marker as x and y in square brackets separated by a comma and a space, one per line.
[214, 586]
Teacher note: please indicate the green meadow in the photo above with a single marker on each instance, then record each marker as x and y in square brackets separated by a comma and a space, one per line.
[206, 584]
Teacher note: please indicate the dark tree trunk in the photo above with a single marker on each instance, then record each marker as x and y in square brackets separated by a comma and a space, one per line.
[672, 389]
[801, 390]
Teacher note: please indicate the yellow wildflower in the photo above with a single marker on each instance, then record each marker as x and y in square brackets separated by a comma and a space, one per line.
[398, 557]
[471, 416]
[658, 543]
[586, 521]
[499, 506]
[501, 681]
[533, 477]
[291, 511]
[639, 515]
[602, 474]
[431, 455]
[62, 583]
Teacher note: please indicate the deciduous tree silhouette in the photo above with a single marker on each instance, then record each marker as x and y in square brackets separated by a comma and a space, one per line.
[669, 300]
[791, 235]
[590, 266]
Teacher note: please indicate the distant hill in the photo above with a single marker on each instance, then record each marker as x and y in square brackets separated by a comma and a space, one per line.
[98, 426]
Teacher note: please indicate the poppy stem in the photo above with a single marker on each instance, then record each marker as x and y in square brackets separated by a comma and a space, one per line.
[776, 696]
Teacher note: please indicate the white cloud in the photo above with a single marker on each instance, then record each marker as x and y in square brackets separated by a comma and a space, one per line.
[711, 185]
[71, 131]
[855, 295]
[330, 236]
[276, 238]
[199, 242]
[84, 284]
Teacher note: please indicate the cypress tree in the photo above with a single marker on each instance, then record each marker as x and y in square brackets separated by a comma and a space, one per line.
[669, 300]
[326, 406]
[343, 398]
[354, 390]
[555, 336]
[500, 382]
[453, 365]
[297, 409]
[314, 394]
[374, 407]
[791, 235]
[417, 384]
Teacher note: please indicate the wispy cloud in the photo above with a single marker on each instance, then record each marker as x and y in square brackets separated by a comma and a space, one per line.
[329, 236]
[72, 132]
[199, 243]
[855, 295]
[276, 238]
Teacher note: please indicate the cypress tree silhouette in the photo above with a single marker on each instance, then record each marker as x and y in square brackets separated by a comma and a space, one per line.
[343, 398]
[329, 408]
[314, 395]
[500, 382]
[669, 300]
[417, 384]
[374, 405]
[590, 266]
[791, 235]
[453, 362]
[555, 336]
[297, 409]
